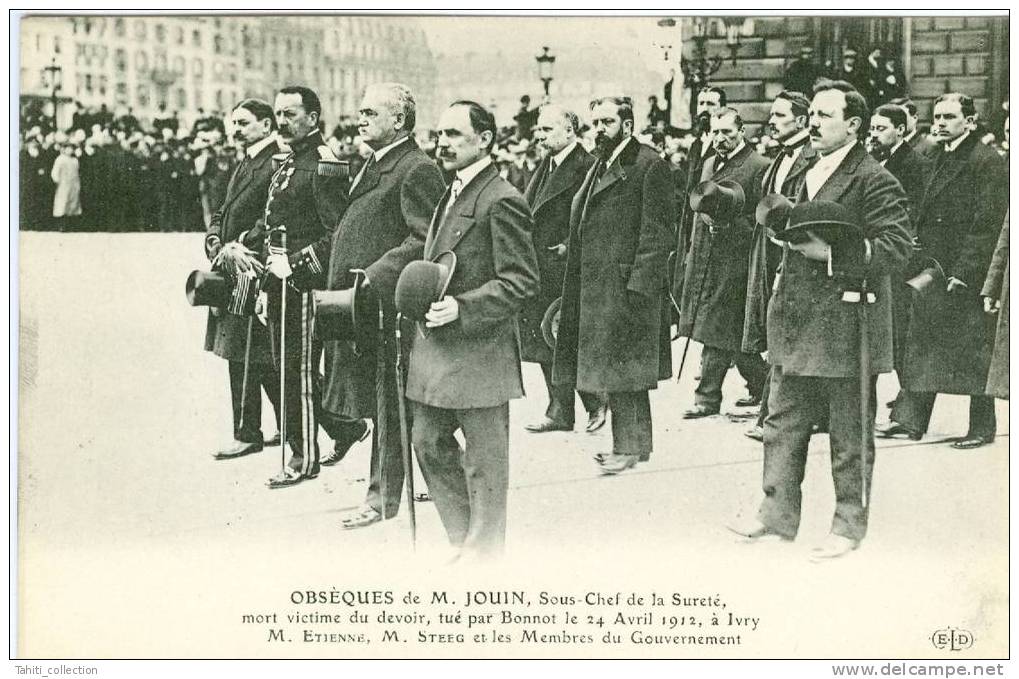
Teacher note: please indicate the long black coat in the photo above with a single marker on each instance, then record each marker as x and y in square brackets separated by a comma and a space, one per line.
[811, 331]
[383, 229]
[765, 255]
[715, 292]
[551, 209]
[614, 324]
[226, 333]
[950, 337]
[474, 362]
[684, 231]
[996, 287]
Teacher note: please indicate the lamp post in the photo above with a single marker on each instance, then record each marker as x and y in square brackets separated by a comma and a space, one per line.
[54, 73]
[546, 62]
[698, 69]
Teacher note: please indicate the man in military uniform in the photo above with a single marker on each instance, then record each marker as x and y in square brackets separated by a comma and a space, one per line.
[308, 197]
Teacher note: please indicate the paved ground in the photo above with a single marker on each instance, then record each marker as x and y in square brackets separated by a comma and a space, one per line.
[134, 542]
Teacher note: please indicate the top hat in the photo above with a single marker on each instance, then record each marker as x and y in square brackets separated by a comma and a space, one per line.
[207, 288]
[931, 280]
[348, 314]
[550, 322]
[773, 212]
[422, 283]
[827, 220]
[722, 201]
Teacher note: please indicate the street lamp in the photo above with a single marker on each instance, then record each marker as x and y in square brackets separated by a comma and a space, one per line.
[545, 63]
[698, 70]
[54, 72]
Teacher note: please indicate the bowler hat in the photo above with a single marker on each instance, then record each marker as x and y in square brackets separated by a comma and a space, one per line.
[931, 280]
[422, 283]
[207, 288]
[348, 314]
[773, 212]
[550, 322]
[827, 220]
[722, 201]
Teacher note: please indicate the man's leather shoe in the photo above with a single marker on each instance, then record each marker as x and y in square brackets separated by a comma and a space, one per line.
[341, 448]
[238, 449]
[615, 463]
[698, 412]
[274, 441]
[596, 419]
[895, 430]
[756, 433]
[751, 529]
[288, 477]
[547, 425]
[748, 402]
[833, 547]
[972, 442]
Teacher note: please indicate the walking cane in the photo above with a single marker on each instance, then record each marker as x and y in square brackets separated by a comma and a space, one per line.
[408, 462]
[865, 435]
[697, 303]
[282, 250]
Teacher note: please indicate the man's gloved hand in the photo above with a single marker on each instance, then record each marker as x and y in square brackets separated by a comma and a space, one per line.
[262, 308]
[235, 258]
[279, 266]
[955, 284]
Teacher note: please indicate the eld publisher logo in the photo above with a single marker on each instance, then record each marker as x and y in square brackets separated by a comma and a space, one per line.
[952, 639]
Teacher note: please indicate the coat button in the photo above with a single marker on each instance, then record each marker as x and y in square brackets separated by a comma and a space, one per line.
[456, 233]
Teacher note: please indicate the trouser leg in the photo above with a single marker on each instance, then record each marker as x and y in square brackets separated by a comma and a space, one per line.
[486, 470]
[300, 362]
[982, 422]
[387, 472]
[631, 422]
[765, 393]
[848, 449]
[439, 455]
[247, 406]
[561, 399]
[265, 376]
[592, 400]
[913, 410]
[753, 369]
[715, 364]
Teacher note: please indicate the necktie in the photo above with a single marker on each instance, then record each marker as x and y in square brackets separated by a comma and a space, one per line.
[789, 151]
[364, 170]
[454, 190]
[551, 165]
[720, 161]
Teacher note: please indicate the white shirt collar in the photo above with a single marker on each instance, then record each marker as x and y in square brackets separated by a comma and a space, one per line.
[952, 145]
[560, 157]
[796, 138]
[389, 147]
[728, 156]
[835, 158]
[619, 149]
[260, 145]
[466, 174]
[909, 136]
[895, 148]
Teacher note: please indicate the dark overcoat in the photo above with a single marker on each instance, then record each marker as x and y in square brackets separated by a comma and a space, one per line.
[383, 229]
[614, 324]
[474, 362]
[684, 231]
[714, 298]
[551, 209]
[996, 287]
[811, 331]
[765, 255]
[948, 349]
[244, 204]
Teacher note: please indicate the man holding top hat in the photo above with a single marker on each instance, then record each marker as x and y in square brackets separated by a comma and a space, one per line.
[714, 290]
[614, 324]
[847, 233]
[950, 338]
[465, 359]
[550, 195]
[307, 196]
[384, 227]
[230, 336]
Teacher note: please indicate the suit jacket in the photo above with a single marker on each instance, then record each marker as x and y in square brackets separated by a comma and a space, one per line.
[474, 362]
[765, 255]
[950, 337]
[694, 168]
[243, 205]
[551, 208]
[613, 328]
[911, 169]
[811, 331]
[309, 202]
[996, 287]
[714, 291]
[383, 229]
[922, 145]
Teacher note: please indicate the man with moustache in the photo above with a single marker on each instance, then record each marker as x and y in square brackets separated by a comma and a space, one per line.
[227, 334]
[550, 195]
[708, 100]
[813, 337]
[787, 124]
[308, 198]
[383, 228]
[917, 141]
[465, 359]
[713, 305]
[949, 343]
[887, 145]
[614, 322]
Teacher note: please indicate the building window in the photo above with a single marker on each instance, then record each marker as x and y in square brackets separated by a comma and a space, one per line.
[182, 98]
[179, 35]
[141, 61]
[161, 62]
[56, 45]
[197, 98]
[88, 83]
[219, 100]
[120, 95]
[140, 29]
[198, 68]
[104, 82]
[119, 29]
[196, 38]
[143, 96]
[217, 44]
[160, 33]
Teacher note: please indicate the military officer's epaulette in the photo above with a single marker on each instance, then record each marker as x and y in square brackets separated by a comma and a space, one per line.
[278, 159]
[331, 166]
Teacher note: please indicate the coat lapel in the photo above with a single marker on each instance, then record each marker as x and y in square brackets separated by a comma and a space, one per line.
[840, 180]
[945, 172]
[731, 165]
[617, 170]
[373, 175]
[562, 179]
[446, 232]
